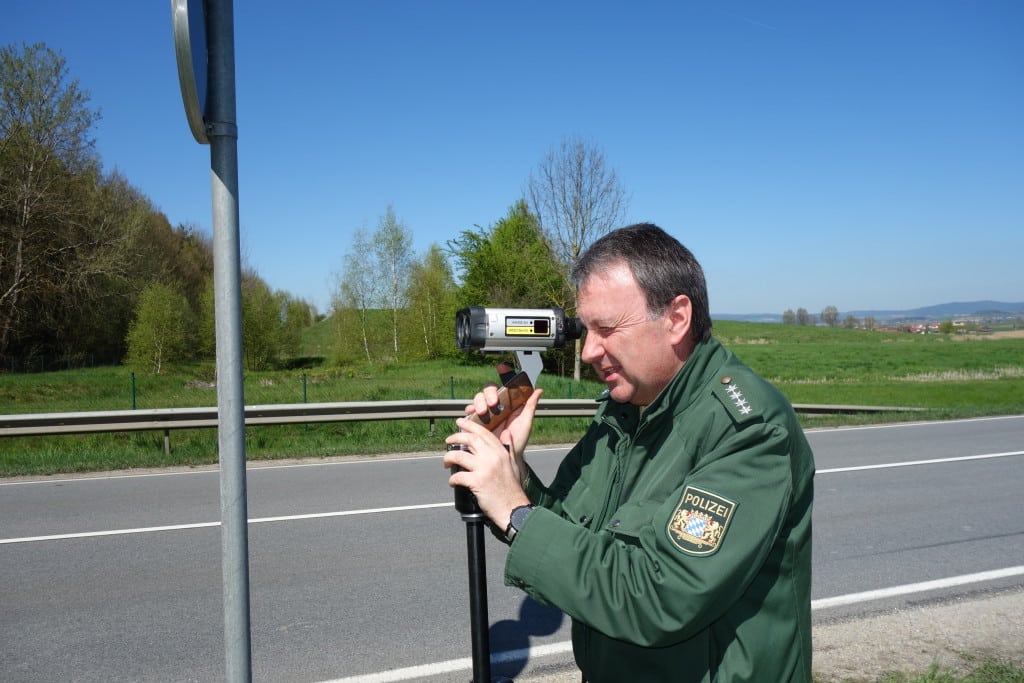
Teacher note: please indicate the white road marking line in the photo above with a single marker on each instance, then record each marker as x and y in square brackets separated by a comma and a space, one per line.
[936, 461]
[204, 525]
[910, 588]
[370, 511]
[438, 668]
[465, 664]
[919, 423]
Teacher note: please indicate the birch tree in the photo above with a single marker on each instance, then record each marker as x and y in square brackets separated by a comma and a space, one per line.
[393, 251]
[431, 302]
[357, 291]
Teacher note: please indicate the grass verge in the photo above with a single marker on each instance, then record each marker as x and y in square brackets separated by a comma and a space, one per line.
[975, 669]
[947, 376]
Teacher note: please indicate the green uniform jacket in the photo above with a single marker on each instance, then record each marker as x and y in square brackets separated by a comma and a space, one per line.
[679, 539]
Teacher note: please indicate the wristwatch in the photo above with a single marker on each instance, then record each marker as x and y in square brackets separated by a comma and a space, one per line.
[517, 520]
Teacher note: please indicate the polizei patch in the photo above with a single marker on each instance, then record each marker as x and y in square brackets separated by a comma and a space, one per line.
[699, 521]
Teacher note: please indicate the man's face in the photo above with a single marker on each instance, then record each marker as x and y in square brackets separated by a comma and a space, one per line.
[635, 355]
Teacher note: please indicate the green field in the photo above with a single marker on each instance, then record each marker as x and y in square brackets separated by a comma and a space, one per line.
[949, 376]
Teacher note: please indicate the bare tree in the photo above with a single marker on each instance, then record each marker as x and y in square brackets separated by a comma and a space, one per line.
[577, 198]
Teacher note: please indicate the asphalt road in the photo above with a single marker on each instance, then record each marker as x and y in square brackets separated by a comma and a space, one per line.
[358, 567]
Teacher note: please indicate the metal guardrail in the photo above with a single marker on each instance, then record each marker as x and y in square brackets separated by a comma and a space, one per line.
[40, 424]
[826, 409]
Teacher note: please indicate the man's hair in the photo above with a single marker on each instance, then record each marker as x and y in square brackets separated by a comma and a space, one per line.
[661, 265]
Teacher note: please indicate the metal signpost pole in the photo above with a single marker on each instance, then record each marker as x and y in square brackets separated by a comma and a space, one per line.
[205, 47]
[223, 133]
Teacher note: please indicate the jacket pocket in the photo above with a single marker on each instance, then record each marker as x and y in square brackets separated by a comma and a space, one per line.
[632, 520]
[581, 505]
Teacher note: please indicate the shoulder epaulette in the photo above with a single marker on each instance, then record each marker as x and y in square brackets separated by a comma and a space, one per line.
[730, 393]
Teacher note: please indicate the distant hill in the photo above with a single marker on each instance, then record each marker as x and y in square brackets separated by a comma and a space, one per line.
[957, 309]
[749, 317]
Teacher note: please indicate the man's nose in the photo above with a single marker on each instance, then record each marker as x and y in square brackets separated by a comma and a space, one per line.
[591, 350]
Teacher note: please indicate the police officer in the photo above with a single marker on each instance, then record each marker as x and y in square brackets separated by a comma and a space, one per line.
[677, 533]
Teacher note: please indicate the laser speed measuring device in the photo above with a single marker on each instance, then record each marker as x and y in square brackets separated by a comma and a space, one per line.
[478, 328]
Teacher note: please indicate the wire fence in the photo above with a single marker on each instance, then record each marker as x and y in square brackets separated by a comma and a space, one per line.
[41, 362]
[119, 388]
[147, 391]
[266, 389]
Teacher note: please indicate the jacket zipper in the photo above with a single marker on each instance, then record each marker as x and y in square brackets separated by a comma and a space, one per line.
[615, 486]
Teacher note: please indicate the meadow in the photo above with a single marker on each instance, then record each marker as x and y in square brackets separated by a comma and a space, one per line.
[949, 376]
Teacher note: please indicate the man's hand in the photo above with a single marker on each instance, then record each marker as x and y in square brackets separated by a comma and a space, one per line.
[516, 429]
[492, 467]
[489, 470]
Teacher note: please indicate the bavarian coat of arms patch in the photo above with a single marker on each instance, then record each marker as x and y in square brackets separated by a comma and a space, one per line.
[699, 522]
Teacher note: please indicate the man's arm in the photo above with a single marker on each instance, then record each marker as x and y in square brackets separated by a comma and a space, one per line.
[638, 580]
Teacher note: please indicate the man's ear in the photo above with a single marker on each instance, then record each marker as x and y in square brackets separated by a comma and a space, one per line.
[680, 318]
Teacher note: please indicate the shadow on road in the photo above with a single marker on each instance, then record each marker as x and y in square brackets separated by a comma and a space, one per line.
[510, 635]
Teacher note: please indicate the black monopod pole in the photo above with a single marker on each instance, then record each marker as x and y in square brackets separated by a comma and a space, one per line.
[479, 623]
[514, 392]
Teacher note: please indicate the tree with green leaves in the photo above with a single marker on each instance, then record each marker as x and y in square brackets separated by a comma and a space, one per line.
[510, 264]
[297, 316]
[78, 248]
[432, 304]
[47, 172]
[261, 324]
[162, 331]
[272, 323]
[180, 256]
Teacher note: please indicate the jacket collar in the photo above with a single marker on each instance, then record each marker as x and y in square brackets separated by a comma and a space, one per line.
[700, 368]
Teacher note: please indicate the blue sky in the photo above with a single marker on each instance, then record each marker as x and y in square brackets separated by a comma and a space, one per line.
[864, 154]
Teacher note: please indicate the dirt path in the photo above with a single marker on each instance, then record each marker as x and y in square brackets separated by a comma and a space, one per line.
[915, 638]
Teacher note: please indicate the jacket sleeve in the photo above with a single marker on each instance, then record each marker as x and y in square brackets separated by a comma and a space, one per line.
[551, 497]
[638, 578]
